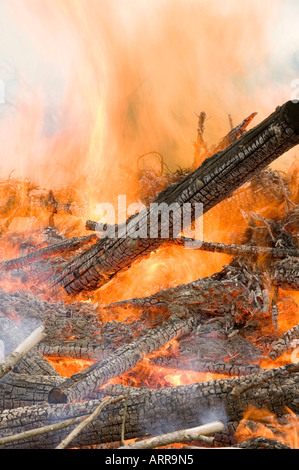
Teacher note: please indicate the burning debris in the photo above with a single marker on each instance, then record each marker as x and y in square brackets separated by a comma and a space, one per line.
[177, 356]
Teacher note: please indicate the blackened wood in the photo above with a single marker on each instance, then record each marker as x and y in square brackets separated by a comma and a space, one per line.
[158, 411]
[285, 273]
[283, 343]
[231, 294]
[215, 180]
[238, 250]
[197, 365]
[18, 390]
[68, 245]
[234, 134]
[33, 363]
[123, 359]
[261, 443]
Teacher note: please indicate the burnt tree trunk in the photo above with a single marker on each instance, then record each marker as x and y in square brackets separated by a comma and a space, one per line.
[159, 411]
[216, 179]
[123, 359]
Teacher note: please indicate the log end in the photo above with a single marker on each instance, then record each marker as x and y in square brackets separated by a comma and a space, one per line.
[291, 114]
[57, 396]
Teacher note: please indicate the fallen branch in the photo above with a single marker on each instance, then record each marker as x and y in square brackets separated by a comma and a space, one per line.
[47, 252]
[38, 431]
[198, 433]
[237, 250]
[14, 357]
[68, 439]
[211, 183]
[157, 411]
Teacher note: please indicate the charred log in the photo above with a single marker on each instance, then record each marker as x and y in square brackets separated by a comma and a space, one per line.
[33, 363]
[65, 246]
[157, 411]
[285, 273]
[212, 182]
[17, 390]
[198, 365]
[122, 360]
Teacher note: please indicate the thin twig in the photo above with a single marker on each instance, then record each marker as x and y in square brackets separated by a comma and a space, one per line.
[39, 431]
[184, 435]
[107, 401]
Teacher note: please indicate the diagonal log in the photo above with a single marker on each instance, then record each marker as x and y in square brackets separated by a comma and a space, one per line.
[198, 365]
[158, 411]
[215, 180]
[123, 359]
[64, 246]
[225, 292]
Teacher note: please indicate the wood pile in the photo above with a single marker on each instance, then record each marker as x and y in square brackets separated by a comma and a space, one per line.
[225, 326]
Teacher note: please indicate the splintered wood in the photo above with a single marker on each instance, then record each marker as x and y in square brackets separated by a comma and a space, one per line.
[188, 360]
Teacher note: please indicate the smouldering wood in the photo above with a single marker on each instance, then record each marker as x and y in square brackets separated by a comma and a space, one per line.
[215, 180]
[123, 359]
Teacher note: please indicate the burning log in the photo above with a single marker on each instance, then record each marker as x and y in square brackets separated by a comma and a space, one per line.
[225, 292]
[284, 342]
[122, 360]
[212, 182]
[17, 390]
[64, 246]
[157, 411]
[285, 273]
[198, 365]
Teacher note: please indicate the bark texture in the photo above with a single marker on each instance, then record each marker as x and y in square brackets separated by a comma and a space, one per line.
[159, 411]
[122, 360]
[212, 182]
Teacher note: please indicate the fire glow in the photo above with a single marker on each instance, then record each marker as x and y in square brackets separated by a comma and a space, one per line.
[125, 88]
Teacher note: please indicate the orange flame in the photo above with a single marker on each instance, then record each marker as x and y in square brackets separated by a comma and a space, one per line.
[267, 426]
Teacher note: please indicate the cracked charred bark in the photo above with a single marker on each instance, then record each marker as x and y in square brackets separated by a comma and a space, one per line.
[212, 182]
[160, 411]
[123, 359]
